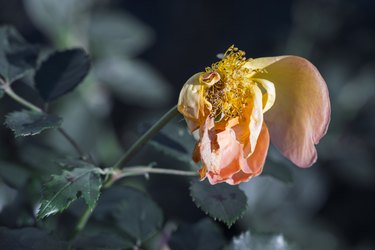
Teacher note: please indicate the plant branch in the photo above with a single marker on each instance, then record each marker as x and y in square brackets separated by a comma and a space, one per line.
[9, 91]
[141, 170]
[146, 137]
[82, 222]
[72, 142]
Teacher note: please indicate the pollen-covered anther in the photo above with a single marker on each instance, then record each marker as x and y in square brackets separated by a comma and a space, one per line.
[228, 84]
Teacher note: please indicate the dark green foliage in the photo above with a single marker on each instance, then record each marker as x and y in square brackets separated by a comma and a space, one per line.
[8, 172]
[29, 238]
[17, 57]
[132, 211]
[24, 123]
[201, 236]
[103, 240]
[63, 189]
[61, 72]
[221, 201]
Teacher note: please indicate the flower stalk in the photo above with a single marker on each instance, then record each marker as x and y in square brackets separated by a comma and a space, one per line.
[118, 174]
[167, 117]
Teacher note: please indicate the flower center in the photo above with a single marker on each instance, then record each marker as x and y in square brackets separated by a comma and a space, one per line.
[228, 84]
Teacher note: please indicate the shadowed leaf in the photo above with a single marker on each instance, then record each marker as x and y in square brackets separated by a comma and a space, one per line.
[29, 239]
[118, 33]
[133, 81]
[221, 201]
[17, 57]
[8, 172]
[61, 72]
[132, 210]
[24, 123]
[63, 189]
[201, 236]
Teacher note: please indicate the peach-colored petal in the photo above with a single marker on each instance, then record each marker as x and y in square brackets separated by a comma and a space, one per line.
[219, 152]
[250, 123]
[239, 177]
[301, 113]
[254, 164]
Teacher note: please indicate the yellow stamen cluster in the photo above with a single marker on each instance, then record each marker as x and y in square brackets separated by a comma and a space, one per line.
[229, 95]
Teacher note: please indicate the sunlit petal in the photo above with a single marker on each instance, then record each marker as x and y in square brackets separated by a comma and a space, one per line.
[269, 96]
[301, 113]
[191, 102]
[219, 151]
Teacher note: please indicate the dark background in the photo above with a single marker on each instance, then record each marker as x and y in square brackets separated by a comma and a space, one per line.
[337, 36]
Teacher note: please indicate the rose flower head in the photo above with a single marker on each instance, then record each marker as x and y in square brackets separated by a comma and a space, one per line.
[237, 105]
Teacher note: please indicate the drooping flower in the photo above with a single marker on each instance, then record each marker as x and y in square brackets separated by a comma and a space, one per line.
[238, 104]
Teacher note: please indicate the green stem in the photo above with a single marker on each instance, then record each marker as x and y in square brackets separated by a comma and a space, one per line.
[82, 222]
[72, 142]
[133, 171]
[9, 91]
[146, 137]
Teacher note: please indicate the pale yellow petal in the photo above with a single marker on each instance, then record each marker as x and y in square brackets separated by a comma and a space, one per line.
[301, 113]
[269, 96]
[191, 102]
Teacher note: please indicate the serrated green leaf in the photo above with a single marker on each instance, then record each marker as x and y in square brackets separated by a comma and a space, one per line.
[132, 211]
[17, 57]
[24, 123]
[61, 72]
[201, 236]
[63, 189]
[29, 238]
[248, 241]
[221, 201]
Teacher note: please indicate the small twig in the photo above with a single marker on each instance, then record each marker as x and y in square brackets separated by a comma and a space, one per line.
[134, 171]
[72, 142]
[146, 137]
[82, 222]
[9, 91]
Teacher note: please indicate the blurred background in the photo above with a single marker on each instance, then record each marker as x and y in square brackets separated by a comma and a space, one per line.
[144, 51]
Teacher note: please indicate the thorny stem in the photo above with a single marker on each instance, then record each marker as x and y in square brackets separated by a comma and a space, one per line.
[9, 91]
[146, 137]
[133, 171]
